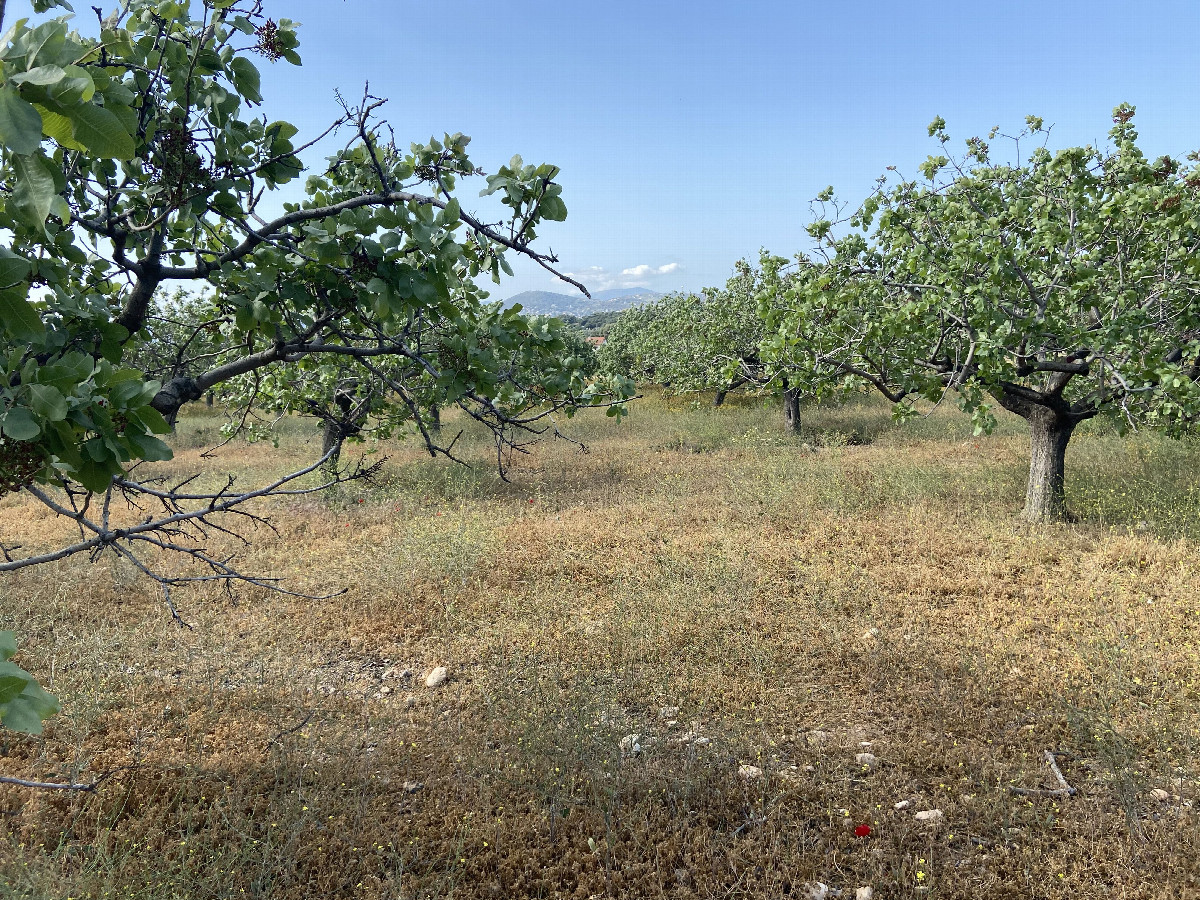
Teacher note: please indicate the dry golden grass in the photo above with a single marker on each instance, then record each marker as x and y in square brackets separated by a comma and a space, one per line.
[792, 602]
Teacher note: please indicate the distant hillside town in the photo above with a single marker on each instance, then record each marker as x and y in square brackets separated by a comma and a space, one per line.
[548, 303]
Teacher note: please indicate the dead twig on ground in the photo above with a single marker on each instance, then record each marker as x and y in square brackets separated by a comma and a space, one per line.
[1065, 790]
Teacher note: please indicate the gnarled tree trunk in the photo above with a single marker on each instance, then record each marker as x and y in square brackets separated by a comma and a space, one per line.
[1045, 496]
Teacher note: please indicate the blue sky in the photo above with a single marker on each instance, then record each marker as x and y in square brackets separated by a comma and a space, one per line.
[692, 133]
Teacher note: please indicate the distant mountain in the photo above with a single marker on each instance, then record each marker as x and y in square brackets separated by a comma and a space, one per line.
[547, 303]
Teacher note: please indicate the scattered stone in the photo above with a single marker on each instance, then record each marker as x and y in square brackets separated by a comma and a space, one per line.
[437, 677]
[701, 742]
[867, 761]
[749, 772]
[397, 673]
[385, 690]
[669, 712]
[903, 805]
[816, 890]
[683, 877]
[410, 701]
[1160, 795]
[932, 816]
[411, 787]
[631, 745]
[866, 892]
[810, 768]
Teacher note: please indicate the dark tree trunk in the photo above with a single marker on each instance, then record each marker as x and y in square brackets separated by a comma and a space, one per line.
[346, 422]
[434, 425]
[331, 440]
[1045, 498]
[791, 407]
[208, 399]
[720, 398]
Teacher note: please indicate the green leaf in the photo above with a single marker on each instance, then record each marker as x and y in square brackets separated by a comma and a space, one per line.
[281, 131]
[95, 476]
[40, 75]
[76, 86]
[152, 420]
[100, 131]
[20, 425]
[59, 127]
[26, 712]
[11, 687]
[554, 209]
[8, 645]
[47, 402]
[148, 448]
[18, 315]
[34, 188]
[13, 269]
[20, 124]
[246, 79]
[243, 318]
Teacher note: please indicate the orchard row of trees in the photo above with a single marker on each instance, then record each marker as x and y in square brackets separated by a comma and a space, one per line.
[135, 161]
[1059, 286]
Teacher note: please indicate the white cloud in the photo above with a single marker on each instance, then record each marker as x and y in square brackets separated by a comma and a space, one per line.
[644, 270]
[598, 278]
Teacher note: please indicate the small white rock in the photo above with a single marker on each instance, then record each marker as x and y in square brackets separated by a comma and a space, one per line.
[1160, 795]
[669, 712]
[630, 745]
[411, 787]
[749, 772]
[815, 890]
[437, 677]
[867, 761]
[865, 893]
[902, 805]
[932, 816]
[385, 690]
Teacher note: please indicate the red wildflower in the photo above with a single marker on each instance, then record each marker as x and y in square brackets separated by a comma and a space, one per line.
[862, 830]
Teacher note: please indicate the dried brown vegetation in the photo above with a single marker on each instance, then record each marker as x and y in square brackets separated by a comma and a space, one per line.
[791, 601]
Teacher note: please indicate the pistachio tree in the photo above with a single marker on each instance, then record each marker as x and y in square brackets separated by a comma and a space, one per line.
[1059, 285]
[136, 157]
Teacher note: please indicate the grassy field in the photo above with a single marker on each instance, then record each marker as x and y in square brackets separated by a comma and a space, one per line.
[733, 596]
